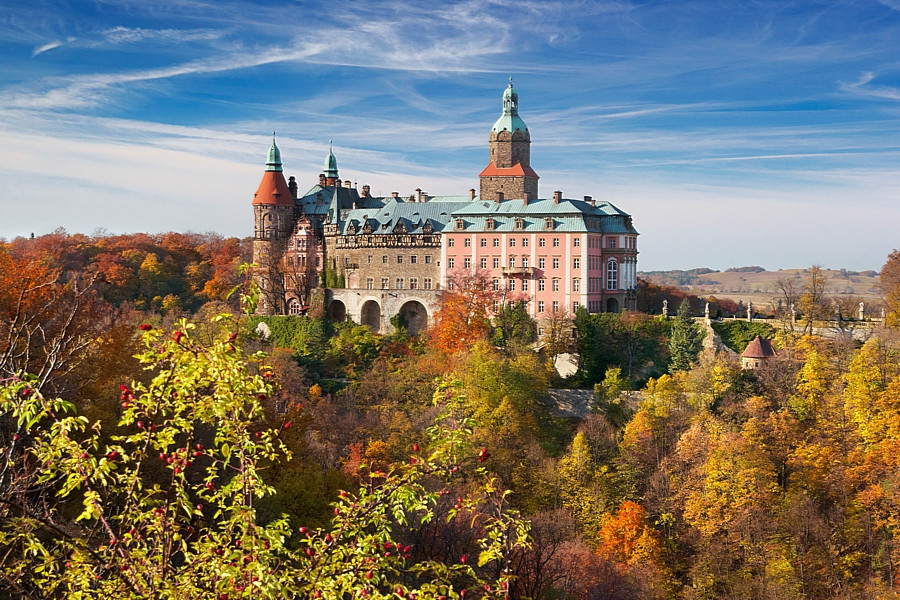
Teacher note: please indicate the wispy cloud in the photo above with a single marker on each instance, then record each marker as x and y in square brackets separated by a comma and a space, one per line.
[45, 48]
[861, 86]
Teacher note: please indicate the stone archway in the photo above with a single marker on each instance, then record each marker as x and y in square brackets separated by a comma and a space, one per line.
[337, 311]
[370, 315]
[612, 305]
[414, 316]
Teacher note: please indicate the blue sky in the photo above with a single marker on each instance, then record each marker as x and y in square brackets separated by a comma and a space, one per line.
[735, 133]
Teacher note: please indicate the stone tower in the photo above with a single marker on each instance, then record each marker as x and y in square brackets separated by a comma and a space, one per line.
[273, 215]
[509, 173]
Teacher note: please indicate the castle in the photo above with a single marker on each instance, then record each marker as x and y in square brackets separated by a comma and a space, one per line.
[377, 257]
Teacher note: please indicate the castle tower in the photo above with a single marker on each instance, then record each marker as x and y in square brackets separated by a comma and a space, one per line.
[273, 215]
[509, 173]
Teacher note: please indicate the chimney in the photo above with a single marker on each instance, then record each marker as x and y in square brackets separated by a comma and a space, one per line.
[366, 190]
[395, 194]
[321, 180]
[588, 199]
[557, 196]
[498, 198]
[471, 194]
[346, 183]
[292, 185]
[418, 194]
[526, 199]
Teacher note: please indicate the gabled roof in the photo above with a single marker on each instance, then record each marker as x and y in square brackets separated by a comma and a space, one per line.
[760, 347]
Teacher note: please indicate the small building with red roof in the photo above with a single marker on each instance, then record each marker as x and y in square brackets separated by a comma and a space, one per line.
[757, 353]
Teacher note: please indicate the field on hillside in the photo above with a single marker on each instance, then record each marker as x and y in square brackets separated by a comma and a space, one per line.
[755, 284]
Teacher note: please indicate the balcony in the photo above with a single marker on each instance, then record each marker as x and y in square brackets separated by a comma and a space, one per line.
[518, 271]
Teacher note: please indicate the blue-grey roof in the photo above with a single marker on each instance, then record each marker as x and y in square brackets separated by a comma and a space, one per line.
[411, 217]
[568, 216]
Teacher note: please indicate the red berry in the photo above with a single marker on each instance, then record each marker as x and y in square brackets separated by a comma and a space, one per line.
[261, 396]
[146, 327]
[463, 558]
[369, 575]
[178, 335]
[123, 387]
[415, 447]
[113, 455]
[287, 425]
[140, 424]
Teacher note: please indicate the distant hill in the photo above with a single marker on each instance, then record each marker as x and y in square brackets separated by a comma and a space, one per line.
[756, 284]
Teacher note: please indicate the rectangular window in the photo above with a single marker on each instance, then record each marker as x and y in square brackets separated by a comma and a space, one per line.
[399, 259]
[611, 242]
[496, 262]
[576, 263]
[427, 259]
[495, 284]
[483, 263]
[540, 308]
[384, 283]
[496, 306]
[542, 263]
[512, 242]
[541, 286]
[524, 242]
[346, 261]
[555, 306]
[451, 242]
[542, 242]
[467, 263]
[370, 283]
[451, 262]
[555, 263]
[524, 285]
[483, 242]
[556, 242]
[554, 285]
[496, 242]
[413, 259]
[575, 306]
[525, 261]
[399, 283]
[512, 261]
[384, 259]
[576, 285]
[413, 283]
[369, 259]
[467, 242]
[426, 283]
[511, 285]
[576, 242]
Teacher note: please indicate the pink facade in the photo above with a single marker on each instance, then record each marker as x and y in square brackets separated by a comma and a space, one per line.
[551, 271]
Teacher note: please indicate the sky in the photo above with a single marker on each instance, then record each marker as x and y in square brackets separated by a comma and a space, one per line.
[736, 133]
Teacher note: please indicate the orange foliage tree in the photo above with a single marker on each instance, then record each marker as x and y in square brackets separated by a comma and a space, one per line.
[464, 310]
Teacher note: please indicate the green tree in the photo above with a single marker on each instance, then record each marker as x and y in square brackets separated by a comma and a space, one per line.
[514, 327]
[685, 341]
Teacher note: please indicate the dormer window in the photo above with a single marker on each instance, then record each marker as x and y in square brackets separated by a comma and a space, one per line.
[549, 224]
[520, 223]
[490, 224]
[460, 224]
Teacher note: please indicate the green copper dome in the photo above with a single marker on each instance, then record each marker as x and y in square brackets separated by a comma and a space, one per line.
[510, 120]
[273, 160]
[331, 169]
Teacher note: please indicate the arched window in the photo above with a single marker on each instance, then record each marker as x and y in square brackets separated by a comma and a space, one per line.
[612, 275]
[294, 307]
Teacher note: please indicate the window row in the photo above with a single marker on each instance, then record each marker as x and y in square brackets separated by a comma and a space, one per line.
[400, 258]
[400, 283]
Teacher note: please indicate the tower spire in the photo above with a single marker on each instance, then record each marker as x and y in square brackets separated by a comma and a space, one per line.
[331, 168]
[273, 159]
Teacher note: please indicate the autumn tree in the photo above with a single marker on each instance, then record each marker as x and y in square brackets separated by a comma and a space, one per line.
[812, 301]
[82, 517]
[890, 288]
[464, 311]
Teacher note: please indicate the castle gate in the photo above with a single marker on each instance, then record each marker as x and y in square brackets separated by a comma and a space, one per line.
[375, 308]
